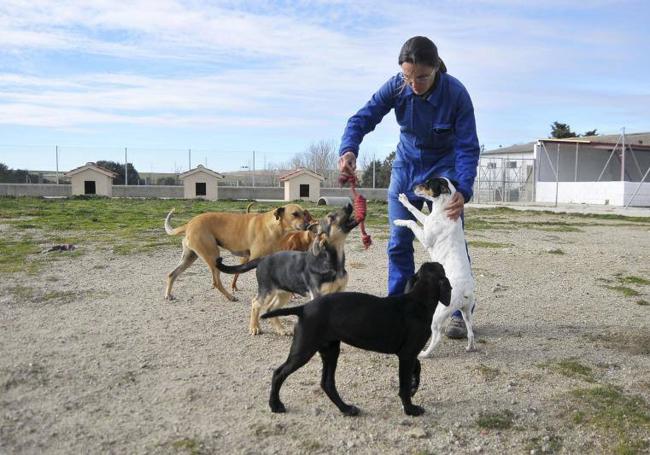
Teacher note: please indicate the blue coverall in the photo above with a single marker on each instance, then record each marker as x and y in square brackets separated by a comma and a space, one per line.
[437, 139]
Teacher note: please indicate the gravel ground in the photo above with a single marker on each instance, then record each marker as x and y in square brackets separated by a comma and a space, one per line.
[94, 360]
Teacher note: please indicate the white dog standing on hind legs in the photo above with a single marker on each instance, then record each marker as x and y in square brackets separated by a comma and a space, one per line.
[444, 240]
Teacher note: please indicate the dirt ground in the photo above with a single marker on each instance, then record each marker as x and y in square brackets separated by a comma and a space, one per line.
[93, 360]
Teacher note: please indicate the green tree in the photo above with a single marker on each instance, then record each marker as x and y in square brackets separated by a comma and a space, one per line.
[8, 175]
[593, 132]
[561, 130]
[382, 173]
[118, 168]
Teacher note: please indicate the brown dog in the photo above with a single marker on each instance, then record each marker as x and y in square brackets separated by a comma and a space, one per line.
[295, 240]
[250, 235]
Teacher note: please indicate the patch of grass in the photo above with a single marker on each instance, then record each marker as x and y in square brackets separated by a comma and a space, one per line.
[633, 341]
[642, 302]
[633, 280]
[499, 420]
[188, 445]
[484, 244]
[623, 420]
[626, 291]
[481, 224]
[13, 254]
[22, 294]
[555, 251]
[487, 372]
[571, 368]
[59, 296]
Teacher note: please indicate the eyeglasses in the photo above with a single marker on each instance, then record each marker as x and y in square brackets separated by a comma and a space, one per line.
[418, 79]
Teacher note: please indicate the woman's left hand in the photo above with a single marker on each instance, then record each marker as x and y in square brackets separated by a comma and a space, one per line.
[455, 206]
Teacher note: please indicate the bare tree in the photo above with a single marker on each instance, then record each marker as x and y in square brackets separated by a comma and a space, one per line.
[321, 156]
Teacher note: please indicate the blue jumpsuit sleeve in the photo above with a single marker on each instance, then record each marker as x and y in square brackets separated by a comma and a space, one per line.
[466, 145]
[368, 117]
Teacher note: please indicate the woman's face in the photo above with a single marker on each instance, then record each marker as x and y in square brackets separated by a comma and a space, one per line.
[419, 77]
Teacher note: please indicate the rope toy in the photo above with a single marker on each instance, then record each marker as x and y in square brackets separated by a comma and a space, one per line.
[360, 207]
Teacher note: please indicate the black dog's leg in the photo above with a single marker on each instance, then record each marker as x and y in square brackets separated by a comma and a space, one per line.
[406, 373]
[416, 378]
[330, 356]
[295, 360]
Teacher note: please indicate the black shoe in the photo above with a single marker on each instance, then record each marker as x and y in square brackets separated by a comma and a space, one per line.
[456, 329]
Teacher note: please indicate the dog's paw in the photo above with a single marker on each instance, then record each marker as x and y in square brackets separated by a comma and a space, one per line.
[170, 297]
[351, 411]
[403, 199]
[471, 348]
[414, 410]
[277, 407]
[254, 330]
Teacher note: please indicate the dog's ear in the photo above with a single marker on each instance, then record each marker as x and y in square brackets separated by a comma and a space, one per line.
[444, 295]
[453, 184]
[278, 213]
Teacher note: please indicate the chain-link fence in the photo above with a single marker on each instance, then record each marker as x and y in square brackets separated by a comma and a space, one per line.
[505, 180]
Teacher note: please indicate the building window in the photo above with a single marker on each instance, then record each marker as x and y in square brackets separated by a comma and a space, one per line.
[200, 189]
[304, 190]
[90, 187]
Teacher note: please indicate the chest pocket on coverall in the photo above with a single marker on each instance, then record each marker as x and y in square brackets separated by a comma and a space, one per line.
[442, 136]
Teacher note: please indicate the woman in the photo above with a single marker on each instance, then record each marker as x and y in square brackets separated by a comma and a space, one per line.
[437, 138]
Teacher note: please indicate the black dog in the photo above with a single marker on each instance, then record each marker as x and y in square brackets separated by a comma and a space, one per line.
[393, 325]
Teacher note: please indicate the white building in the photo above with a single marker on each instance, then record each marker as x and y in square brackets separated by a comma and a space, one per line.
[91, 179]
[594, 170]
[302, 184]
[200, 183]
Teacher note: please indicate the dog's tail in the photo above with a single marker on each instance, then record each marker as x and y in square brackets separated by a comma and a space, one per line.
[168, 227]
[232, 269]
[295, 310]
[248, 207]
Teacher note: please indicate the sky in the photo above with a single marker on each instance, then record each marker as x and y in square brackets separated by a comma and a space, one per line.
[154, 79]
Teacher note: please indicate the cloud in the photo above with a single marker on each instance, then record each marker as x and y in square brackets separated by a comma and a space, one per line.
[283, 64]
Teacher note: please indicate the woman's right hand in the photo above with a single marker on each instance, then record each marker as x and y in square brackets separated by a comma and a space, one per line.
[348, 163]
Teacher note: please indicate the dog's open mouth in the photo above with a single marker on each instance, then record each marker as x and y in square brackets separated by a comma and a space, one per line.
[349, 221]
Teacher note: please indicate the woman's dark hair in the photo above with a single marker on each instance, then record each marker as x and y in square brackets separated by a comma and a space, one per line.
[420, 50]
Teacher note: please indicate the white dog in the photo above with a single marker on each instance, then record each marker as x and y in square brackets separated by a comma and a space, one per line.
[444, 240]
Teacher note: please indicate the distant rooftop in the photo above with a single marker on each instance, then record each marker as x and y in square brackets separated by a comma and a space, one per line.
[633, 139]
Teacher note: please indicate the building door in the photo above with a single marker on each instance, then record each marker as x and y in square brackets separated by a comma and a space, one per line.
[90, 187]
[200, 189]
[304, 190]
